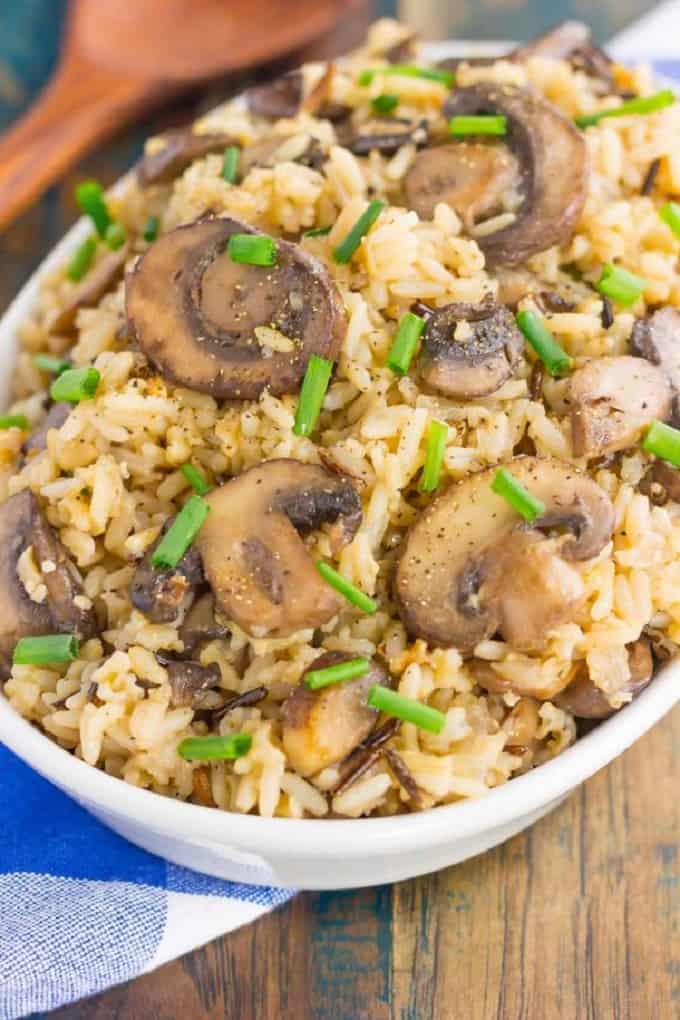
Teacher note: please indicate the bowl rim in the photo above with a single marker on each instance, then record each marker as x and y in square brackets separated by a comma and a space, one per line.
[308, 837]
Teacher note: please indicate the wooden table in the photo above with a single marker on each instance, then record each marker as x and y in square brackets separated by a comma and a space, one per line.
[577, 919]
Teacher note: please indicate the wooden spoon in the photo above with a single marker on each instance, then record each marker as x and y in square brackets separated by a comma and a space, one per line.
[119, 59]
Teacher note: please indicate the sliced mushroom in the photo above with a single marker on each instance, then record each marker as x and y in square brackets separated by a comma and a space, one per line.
[469, 567]
[292, 93]
[403, 50]
[545, 143]
[612, 401]
[301, 148]
[386, 135]
[570, 40]
[469, 351]
[179, 150]
[200, 624]
[254, 558]
[100, 279]
[472, 179]
[586, 701]
[189, 680]
[193, 312]
[657, 339]
[661, 483]
[54, 419]
[22, 524]
[163, 593]
[319, 728]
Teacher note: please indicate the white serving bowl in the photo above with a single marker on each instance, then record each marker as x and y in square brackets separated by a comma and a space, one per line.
[311, 854]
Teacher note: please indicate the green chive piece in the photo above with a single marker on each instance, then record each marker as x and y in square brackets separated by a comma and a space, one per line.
[404, 345]
[41, 651]
[439, 74]
[215, 748]
[670, 214]
[621, 286]
[90, 198]
[252, 249]
[232, 155]
[663, 441]
[556, 360]
[150, 229]
[384, 104]
[642, 104]
[115, 236]
[434, 456]
[484, 124]
[318, 232]
[425, 718]
[349, 670]
[520, 499]
[196, 479]
[181, 533]
[314, 386]
[50, 363]
[81, 260]
[345, 250]
[13, 421]
[354, 595]
[75, 384]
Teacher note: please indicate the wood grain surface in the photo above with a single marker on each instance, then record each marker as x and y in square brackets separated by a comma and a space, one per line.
[576, 919]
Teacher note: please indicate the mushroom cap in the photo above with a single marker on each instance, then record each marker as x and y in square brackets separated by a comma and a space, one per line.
[91, 288]
[470, 566]
[586, 701]
[256, 563]
[386, 135]
[193, 312]
[180, 148]
[477, 363]
[613, 400]
[319, 728]
[657, 339]
[553, 161]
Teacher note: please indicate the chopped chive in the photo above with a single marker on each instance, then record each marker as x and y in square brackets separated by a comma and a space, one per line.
[621, 286]
[115, 236]
[314, 386]
[13, 421]
[232, 155]
[41, 651]
[520, 499]
[81, 260]
[252, 249]
[346, 248]
[75, 384]
[150, 229]
[181, 533]
[349, 670]
[556, 360]
[439, 74]
[318, 232]
[90, 198]
[354, 595]
[670, 214]
[484, 124]
[642, 104]
[50, 363]
[215, 748]
[663, 441]
[384, 103]
[405, 342]
[196, 479]
[434, 456]
[425, 718]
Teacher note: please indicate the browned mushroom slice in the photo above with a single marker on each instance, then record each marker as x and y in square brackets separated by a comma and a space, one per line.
[189, 680]
[586, 701]
[657, 339]
[469, 351]
[200, 624]
[386, 135]
[469, 567]
[403, 50]
[613, 400]
[301, 148]
[194, 311]
[54, 419]
[163, 593]
[292, 92]
[94, 285]
[319, 728]
[472, 179]
[661, 483]
[179, 150]
[22, 524]
[253, 556]
[570, 40]
[545, 143]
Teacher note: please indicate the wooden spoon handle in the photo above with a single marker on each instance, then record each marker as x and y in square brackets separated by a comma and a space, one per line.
[80, 106]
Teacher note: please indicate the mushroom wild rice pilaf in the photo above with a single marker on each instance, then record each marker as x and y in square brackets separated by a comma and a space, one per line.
[341, 476]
